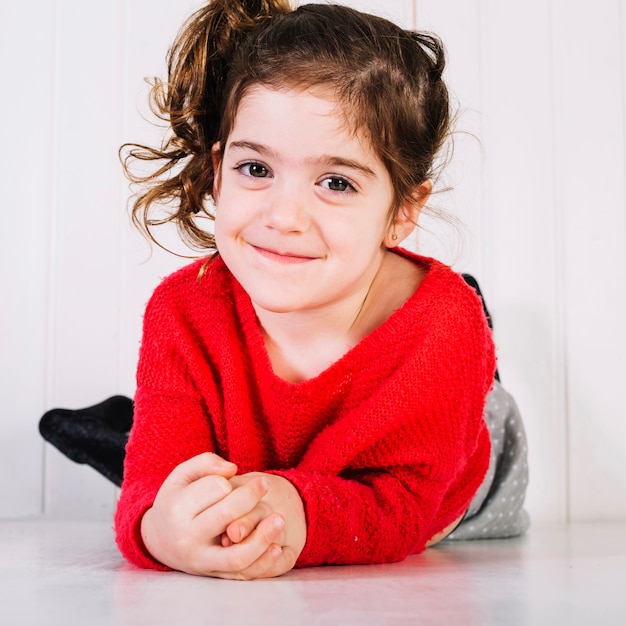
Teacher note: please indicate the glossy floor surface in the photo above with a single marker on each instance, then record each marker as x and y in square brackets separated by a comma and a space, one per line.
[54, 573]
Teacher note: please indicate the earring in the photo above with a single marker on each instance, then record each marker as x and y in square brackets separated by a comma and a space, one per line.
[394, 237]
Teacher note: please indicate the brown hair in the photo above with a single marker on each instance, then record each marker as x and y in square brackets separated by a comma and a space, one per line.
[389, 81]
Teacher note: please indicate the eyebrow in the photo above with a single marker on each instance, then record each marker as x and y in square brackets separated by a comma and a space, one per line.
[322, 159]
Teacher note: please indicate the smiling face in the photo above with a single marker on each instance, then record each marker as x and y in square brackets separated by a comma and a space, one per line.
[302, 204]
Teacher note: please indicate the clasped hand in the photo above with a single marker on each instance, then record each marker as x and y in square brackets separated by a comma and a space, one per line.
[208, 521]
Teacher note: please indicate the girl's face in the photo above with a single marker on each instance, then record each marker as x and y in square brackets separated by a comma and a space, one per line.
[302, 204]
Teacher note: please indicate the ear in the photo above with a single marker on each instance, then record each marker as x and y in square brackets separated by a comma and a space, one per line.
[216, 156]
[405, 220]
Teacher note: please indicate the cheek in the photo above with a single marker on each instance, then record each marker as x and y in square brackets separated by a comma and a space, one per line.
[230, 221]
[221, 226]
[363, 231]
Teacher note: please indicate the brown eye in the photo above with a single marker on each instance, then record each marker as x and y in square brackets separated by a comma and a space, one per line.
[255, 170]
[258, 171]
[336, 183]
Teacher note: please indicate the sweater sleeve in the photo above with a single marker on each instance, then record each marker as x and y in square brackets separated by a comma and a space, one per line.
[380, 484]
[383, 515]
[169, 425]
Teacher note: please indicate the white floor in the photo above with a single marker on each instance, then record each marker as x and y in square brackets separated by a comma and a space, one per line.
[54, 573]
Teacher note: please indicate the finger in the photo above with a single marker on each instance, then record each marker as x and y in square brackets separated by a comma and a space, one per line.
[239, 557]
[240, 502]
[205, 464]
[275, 561]
[259, 569]
[242, 527]
[283, 562]
[193, 499]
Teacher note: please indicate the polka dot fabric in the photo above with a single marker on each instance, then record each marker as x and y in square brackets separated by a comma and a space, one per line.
[497, 510]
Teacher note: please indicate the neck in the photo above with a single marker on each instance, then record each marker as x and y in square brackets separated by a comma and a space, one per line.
[302, 344]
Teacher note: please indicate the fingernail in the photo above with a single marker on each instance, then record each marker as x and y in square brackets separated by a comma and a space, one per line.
[224, 485]
[279, 523]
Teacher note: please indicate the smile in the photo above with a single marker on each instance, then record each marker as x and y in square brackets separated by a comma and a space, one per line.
[286, 257]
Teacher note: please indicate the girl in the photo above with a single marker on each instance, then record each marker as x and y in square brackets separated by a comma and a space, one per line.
[310, 393]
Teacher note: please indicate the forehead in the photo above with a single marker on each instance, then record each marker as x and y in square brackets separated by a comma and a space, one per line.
[293, 115]
[290, 103]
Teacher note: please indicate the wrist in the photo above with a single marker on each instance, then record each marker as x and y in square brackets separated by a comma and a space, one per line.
[146, 535]
[296, 517]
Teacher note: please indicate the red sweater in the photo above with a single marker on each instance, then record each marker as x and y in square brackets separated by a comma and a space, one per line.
[386, 447]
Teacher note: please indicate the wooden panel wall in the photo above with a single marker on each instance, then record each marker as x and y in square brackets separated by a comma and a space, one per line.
[538, 181]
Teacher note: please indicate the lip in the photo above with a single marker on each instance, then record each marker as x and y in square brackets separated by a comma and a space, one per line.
[280, 256]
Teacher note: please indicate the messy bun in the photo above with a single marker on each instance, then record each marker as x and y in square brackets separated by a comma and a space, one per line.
[191, 103]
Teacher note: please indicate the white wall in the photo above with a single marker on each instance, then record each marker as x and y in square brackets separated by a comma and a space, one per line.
[541, 193]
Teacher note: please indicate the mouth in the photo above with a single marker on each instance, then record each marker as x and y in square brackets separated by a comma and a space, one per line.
[286, 257]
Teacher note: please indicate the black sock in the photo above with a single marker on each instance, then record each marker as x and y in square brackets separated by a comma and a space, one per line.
[96, 435]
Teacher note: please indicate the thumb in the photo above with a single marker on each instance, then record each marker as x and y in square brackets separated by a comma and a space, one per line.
[205, 464]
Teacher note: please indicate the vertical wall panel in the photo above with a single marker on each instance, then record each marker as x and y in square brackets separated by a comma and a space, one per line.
[458, 26]
[86, 238]
[519, 193]
[25, 110]
[589, 131]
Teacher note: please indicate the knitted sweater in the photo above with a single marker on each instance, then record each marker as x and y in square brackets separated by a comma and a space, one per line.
[386, 447]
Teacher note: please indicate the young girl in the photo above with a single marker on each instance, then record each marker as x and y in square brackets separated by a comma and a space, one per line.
[310, 393]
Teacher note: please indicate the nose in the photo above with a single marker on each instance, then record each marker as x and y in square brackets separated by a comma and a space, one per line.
[286, 208]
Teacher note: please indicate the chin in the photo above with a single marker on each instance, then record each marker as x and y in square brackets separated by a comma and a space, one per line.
[273, 306]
